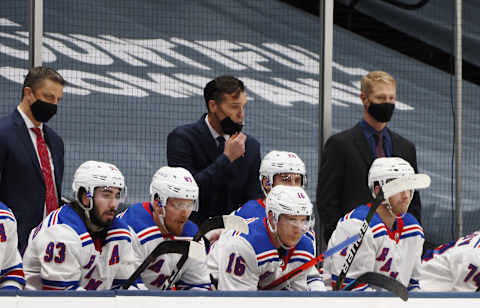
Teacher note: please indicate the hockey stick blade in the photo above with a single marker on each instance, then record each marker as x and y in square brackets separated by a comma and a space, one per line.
[175, 246]
[228, 222]
[411, 182]
[232, 222]
[312, 262]
[381, 281]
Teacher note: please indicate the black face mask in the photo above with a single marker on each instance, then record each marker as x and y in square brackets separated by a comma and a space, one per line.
[381, 112]
[229, 127]
[43, 111]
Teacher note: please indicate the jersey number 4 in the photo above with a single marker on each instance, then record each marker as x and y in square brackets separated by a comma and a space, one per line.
[3, 234]
[473, 273]
[239, 268]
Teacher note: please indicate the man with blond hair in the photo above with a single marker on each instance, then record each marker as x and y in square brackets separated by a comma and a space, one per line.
[347, 156]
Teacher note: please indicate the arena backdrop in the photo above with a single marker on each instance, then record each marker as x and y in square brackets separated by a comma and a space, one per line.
[136, 70]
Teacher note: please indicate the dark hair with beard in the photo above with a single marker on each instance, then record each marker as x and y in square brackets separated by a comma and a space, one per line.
[79, 209]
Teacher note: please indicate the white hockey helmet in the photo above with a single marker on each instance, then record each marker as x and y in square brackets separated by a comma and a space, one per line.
[92, 174]
[174, 182]
[385, 169]
[276, 162]
[290, 200]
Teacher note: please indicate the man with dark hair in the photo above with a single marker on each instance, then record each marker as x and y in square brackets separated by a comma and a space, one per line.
[31, 153]
[83, 245]
[223, 160]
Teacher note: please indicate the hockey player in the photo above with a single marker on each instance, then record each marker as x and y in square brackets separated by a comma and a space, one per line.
[393, 242]
[274, 245]
[453, 266]
[277, 167]
[174, 195]
[282, 168]
[82, 245]
[11, 269]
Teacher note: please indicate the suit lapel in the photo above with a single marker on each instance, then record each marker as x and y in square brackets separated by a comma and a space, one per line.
[24, 136]
[395, 152]
[206, 140]
[362, 145]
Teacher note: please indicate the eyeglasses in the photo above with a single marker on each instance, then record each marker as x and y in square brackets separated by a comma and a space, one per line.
[181, 205]
[290, 178]
[303, 224]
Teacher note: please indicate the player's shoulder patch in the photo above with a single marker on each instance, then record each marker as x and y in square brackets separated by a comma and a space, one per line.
[138, 218]
[411, 227]
[251, 208]
[409, 219]
[67, 215]
[305, 244]
[258, 237]
[6, 213]
[118, 231]
[359, 213]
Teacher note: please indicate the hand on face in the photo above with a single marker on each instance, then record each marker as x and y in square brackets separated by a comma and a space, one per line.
[229, 113]
[235, 146]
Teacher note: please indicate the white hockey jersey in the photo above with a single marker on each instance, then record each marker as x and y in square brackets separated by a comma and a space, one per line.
[395, 253]
[250, 261]
[454, 266]
[61, 255]
[192, 276]
[256, 208]
[11, 269]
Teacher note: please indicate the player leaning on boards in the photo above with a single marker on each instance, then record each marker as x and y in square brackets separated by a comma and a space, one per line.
[174, 195]
[82, 245]
[453, 266]
[392, 244]
[281, 168]
[11, 269]
[274, 245]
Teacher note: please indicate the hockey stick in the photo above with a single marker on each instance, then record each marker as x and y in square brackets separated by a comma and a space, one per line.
[382, 281]
[186, 248]
[411, 182]
[311, 263]
[229, 222]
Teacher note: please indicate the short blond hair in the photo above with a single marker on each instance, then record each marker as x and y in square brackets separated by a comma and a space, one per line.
[372, 78]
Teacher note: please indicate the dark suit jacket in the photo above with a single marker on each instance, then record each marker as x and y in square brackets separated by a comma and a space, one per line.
[343, 178]
[224, 186]
[22, 187]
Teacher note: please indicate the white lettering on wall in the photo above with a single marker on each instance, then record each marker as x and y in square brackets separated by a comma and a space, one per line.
[238, 52]
[161, 84]
[210, 53]
[91, 55]
[91, 82]
[105, 50]
[126, 51]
